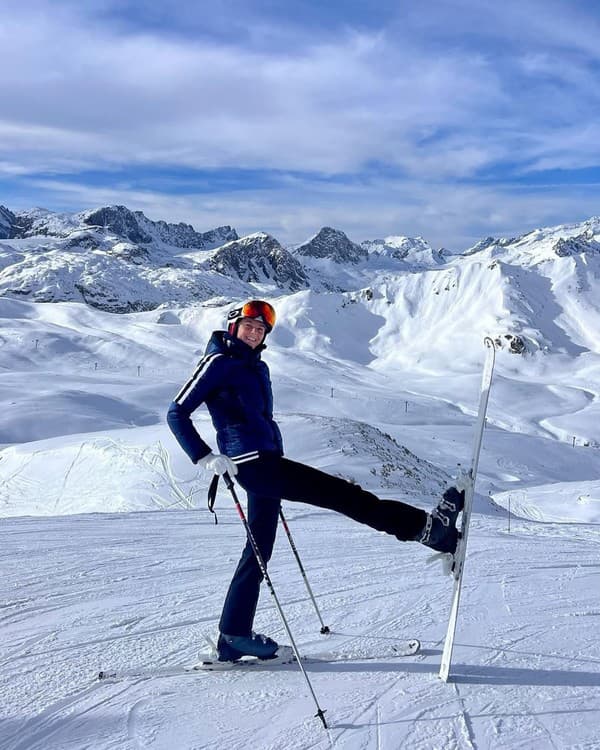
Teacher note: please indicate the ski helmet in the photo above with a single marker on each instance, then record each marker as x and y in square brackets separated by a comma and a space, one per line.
[257, 309]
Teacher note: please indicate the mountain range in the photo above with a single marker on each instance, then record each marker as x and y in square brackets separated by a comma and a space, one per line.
[538, 287]
[118, 260]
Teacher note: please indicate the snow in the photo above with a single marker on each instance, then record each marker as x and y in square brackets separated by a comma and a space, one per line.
[89, 592]
[110, 559]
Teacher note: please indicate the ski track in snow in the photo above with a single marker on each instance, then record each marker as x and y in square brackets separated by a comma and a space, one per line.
[525, 675]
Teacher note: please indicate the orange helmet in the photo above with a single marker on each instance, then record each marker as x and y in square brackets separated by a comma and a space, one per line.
[257, 309]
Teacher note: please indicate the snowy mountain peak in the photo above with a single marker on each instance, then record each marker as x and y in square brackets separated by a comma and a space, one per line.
[135, 227]
[118, 220]
[481, 245]
[259, 258]
[332, 244]
[412, 249]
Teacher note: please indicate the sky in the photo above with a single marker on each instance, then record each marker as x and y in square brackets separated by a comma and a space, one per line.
[452, 119]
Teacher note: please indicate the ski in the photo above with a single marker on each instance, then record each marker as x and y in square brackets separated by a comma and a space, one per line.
[205, 663]
[467, 482]
[209, 662]
[397, 649]
[285, 655]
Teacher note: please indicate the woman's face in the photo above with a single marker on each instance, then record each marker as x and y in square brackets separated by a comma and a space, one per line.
[251, 332]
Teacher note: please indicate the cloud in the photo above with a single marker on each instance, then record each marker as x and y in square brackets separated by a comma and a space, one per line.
[402, 120]
[139, 98]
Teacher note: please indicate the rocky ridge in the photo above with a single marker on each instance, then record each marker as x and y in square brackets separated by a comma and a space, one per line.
[332, 244]
[259, 258]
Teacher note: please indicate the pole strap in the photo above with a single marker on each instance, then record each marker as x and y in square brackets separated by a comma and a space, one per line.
[212, 496]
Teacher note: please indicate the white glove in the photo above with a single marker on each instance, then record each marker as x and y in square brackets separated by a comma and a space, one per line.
[219, 464]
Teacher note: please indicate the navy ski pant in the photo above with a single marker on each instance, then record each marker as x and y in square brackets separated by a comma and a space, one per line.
[270, 478]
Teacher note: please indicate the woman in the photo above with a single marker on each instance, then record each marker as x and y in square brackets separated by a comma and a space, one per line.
[234, 383]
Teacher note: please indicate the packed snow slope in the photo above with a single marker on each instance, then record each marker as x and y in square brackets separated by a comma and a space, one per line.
[375, 363]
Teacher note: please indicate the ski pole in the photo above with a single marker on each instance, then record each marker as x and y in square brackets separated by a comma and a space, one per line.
[263, 569]
[324, 628]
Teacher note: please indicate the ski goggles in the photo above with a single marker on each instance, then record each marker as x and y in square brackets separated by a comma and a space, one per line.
[257, 309]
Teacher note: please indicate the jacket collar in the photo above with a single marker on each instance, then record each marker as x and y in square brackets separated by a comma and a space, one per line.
[222, 342]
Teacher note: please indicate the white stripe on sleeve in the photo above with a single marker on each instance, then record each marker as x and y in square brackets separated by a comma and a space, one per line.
[189, 386]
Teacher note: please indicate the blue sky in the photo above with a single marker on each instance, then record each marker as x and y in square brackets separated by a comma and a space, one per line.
[451, 119]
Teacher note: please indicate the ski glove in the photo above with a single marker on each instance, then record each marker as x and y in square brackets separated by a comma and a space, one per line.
[219, 464]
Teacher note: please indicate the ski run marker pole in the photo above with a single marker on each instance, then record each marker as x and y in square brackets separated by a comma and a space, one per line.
[324, 628]
[263, 569]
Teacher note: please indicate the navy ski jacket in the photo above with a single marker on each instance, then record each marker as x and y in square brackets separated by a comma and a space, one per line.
[234, 383]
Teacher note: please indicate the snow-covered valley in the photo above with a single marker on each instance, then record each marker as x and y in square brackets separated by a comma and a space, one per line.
[110, 558]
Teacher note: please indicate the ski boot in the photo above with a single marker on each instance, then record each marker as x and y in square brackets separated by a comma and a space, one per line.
[234, 647]
[440, 532]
